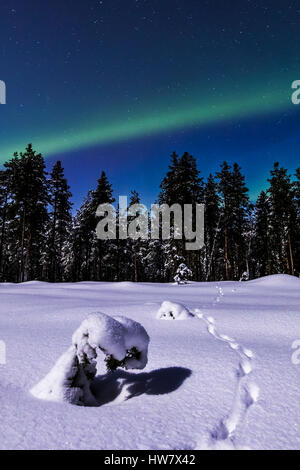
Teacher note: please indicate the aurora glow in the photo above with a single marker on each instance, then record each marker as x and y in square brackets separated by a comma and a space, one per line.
[147, 125]
[118, 85]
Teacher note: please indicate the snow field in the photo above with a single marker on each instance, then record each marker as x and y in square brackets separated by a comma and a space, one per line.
[223, 380]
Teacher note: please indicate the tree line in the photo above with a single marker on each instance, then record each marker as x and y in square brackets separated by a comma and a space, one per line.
[40, 239]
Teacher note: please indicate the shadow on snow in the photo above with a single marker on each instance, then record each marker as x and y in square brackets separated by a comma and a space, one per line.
[158, 382]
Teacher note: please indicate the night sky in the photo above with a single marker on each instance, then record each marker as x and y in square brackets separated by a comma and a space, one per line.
[118, 85]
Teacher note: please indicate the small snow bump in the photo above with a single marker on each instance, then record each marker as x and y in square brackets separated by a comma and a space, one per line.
[173, 311]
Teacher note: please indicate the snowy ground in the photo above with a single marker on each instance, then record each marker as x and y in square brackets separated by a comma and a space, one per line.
[223, 379]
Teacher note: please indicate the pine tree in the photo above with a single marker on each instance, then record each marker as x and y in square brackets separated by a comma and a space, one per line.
[86, 257]
[282, 221]
[296, 187]
[225, 188]
[235, 202]
[104, 252]
[4, 212]
[241, 225]
[60, 221]
[183, 274]
[182, 185]
[28, 212]
[134, 246]
[154, 261]
[80, 249]
[212, 227]
[262, 254]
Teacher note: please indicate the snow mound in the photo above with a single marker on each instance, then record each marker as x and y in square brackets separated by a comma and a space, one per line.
[173, 311]
[127, 285]
[34, 283]
[124, 343]
[277, 280]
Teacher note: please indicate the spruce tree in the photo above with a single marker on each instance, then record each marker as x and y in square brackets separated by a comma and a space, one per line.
[104, 252]
[81, 242]
[212, 227]
[60, 221]
[262, 253]
[297, 226]
[225, 189]
[135, 246]
[4, 215]
[234, 210]
[92, 259]
[182, 185]
[241, 223]
[28, 213]
[282, 221]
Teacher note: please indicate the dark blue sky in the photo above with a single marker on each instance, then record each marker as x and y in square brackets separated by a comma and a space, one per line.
[119, 84]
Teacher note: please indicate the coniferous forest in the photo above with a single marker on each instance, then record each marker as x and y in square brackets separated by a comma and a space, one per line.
[40, 239]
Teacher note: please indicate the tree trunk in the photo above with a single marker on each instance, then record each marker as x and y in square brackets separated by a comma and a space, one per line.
[3, 234]
[21, 271]
[213, 249]
[135, 266]
[53, 250]
[226, 256]
[291, 256]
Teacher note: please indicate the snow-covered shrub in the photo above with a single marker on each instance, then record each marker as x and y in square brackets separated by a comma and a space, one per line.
[183, 274]
[68, 380]
[244, 276]
[124, 343]
[172, 311]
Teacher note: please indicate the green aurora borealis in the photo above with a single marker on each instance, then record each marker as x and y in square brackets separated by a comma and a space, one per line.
[209, 114]
[119, 85]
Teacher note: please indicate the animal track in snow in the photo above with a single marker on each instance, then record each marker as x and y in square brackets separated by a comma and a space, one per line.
[247, 393]
[248, 353]
[227, 338]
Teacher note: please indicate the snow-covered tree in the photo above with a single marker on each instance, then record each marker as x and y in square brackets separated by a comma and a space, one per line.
[4, 195]
[183, 274]
[181, 185]
[284, 237]
[244, 276]
[212, 228]
[60, 221]
[28, 215]
[124, 343]
[234, 221]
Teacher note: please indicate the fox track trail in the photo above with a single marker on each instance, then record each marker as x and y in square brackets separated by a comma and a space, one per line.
[223, 435]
